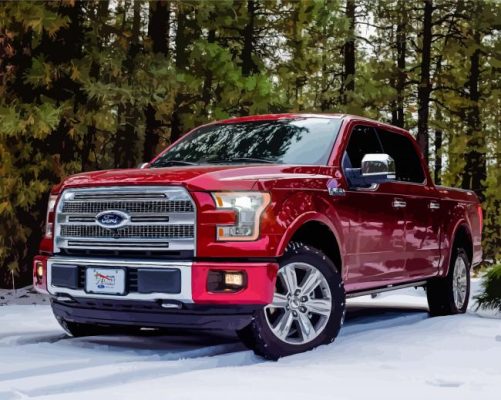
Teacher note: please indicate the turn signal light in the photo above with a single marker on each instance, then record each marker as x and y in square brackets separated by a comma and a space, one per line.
[49, 222]
[226, 281]
[39, 272]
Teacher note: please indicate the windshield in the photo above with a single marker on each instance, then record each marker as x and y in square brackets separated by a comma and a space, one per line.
[305, 141]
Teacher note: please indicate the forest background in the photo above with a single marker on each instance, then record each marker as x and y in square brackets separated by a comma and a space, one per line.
[88, 85]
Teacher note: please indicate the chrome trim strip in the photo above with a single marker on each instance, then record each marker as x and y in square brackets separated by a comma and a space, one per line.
[101, 243]
[372, 188]
[185, 267]
[173, 219]
[385, 289]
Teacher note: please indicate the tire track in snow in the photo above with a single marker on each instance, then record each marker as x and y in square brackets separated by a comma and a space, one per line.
[20, 339]
[133, 370]
[158, 364]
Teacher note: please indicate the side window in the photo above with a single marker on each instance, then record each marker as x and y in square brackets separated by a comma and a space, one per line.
[400, 148]
[363, 140]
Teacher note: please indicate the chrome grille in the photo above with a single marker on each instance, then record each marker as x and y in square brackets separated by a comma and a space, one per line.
[136, 231]
[143, 207]
[161, 218]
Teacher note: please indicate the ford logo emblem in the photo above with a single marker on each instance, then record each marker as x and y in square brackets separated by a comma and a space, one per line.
[112, 219]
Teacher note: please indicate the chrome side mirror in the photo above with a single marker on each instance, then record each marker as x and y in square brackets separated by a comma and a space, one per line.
[378, 167]
[142, 165]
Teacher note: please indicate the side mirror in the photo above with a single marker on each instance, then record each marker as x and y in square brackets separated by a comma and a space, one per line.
[377, 168]
[142, 165]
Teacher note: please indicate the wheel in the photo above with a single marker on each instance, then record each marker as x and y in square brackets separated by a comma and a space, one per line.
[308, 307]
[76, 329]
[450, 295]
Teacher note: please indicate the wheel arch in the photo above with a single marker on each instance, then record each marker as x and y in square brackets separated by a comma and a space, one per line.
[461, 237]
[316, 230]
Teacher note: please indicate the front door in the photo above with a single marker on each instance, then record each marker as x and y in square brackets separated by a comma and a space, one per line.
[375, 248]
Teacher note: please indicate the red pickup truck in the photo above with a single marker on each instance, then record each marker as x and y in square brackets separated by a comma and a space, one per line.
[263, 225]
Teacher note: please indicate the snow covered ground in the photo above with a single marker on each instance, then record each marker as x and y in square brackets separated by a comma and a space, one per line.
[388, 349]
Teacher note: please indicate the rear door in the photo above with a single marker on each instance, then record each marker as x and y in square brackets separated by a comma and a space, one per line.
[419, 201]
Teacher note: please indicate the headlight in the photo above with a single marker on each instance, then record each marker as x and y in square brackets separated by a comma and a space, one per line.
[248, 207]
[49, 222]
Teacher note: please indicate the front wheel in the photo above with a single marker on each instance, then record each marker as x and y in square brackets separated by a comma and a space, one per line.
[450, 295]
[308, 306]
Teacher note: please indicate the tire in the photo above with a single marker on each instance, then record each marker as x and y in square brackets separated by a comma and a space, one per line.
[282, 328]
[450, 295]
[76, 329]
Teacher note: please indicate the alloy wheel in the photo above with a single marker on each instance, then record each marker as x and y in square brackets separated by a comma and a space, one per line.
[302, 304]
[460, 282]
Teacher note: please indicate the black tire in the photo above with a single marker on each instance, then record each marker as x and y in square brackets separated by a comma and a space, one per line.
[440, 291]
[258, 335]
[76, 329]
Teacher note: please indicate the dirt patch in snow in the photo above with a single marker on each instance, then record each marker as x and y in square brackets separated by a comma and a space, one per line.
[22, 296]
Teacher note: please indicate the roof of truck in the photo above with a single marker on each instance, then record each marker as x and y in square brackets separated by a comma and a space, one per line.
[274, 117]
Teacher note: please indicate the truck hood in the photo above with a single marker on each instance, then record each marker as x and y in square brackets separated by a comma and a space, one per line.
[204, 177]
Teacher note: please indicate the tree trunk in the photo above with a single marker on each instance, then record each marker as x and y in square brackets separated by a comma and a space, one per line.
[298, 53]
[125, 151]
[249, 67]
[158, 32]
[61, 49]
[401, 53]
[424, 88]
[348, 83]
[181, 42]
[158, 26]
[495, 253]
[438, 156]
[207, 87]
[88, 139]
[475, 171]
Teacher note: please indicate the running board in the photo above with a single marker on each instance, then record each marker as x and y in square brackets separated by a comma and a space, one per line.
[385, 289]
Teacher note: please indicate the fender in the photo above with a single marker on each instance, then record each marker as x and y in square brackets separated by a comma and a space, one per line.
[447, 258]
[309, 216]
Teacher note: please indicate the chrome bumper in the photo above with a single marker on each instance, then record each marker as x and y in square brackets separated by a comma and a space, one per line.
[184, 296]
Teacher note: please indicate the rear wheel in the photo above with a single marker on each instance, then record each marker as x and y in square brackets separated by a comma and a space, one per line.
[307, 310]
[450, 295]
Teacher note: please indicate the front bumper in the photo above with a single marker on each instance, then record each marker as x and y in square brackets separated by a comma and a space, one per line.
[150, 314]
[259, 290]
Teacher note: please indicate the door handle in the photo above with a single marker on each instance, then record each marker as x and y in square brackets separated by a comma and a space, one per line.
[399, 203]
[434, 205]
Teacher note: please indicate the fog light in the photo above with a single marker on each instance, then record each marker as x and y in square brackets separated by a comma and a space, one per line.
[234, 278]
[226, 281]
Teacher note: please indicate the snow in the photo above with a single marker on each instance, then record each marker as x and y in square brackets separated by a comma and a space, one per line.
[388, 348]
[23, 296]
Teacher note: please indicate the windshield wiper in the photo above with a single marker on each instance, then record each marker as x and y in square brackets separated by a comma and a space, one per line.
[170, 163]
[241, 159]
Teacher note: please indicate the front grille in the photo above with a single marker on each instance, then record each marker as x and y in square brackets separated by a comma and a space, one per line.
[140, 207]
[159, 219]
[131, 231]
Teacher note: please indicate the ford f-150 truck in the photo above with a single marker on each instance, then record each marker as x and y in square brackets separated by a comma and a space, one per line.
[263, 225]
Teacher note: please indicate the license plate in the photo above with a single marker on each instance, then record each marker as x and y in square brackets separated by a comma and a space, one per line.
[105, 280]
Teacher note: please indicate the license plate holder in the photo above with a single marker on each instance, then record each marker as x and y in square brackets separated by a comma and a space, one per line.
[100, 280]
